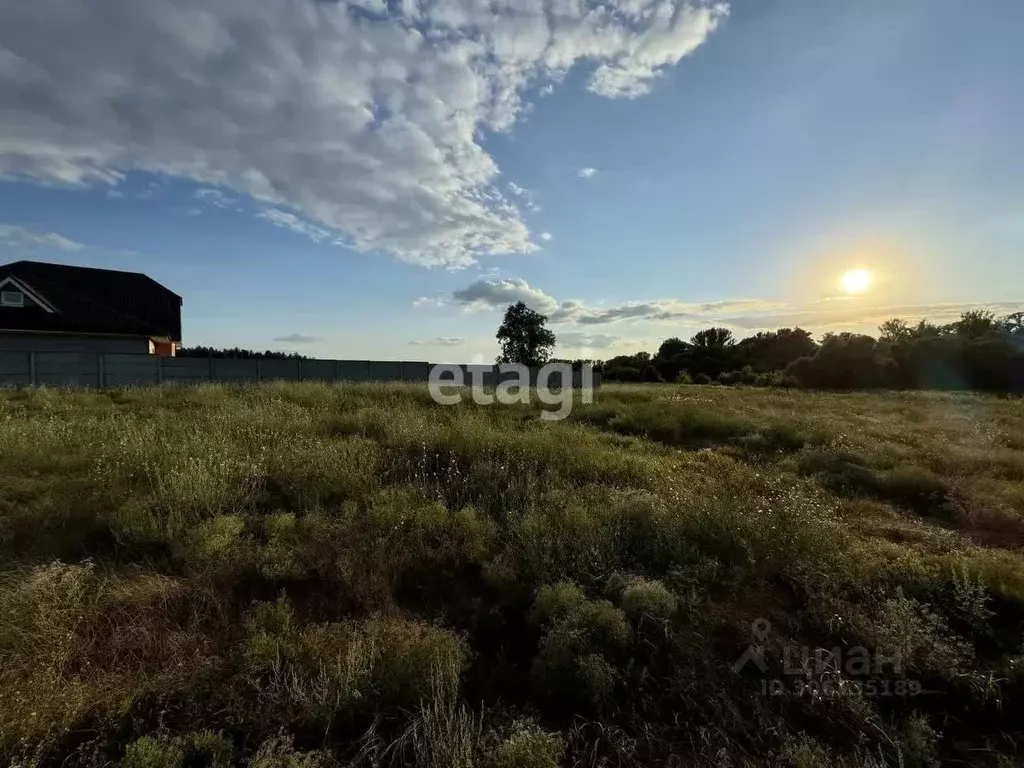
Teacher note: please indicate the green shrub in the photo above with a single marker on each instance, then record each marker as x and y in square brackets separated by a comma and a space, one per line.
[918, 743]
[339, 668]
[804, 752]
[148, 752]
[279, 753]
[204, 748]
[570, 665]
[557, 602]
[528, 747]
[648, 598]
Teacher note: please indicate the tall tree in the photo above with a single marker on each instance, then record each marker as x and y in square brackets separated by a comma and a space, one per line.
[774, 350]
[895, 330]
[713, 338]
[672, 358]
[712, 352]
[524, 336]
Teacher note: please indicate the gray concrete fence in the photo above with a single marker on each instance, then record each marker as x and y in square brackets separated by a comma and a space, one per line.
[109, 369]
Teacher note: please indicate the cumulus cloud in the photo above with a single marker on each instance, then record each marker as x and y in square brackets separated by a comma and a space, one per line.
[298, 338]
[494, 293]
[11, 234]
[361, 117]
[441, 341]
[545, 236]
[586, 173]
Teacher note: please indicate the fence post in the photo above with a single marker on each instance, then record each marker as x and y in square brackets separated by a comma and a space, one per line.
[160, 370]
[259, 371]
[337, 370]
[101, 372]
[209, 374]
[298, 369]
[32, 367]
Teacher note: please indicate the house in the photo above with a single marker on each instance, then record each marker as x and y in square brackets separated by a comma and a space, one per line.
[56, 307]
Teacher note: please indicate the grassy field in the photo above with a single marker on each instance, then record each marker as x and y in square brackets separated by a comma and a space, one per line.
[304, 575]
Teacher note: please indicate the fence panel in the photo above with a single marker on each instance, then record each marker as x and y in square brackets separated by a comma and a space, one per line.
[318, 370]
[15, 368]
[184, 370]
[91, 369]
[68, 369]
[353, 370]
[285, 370]
[124, 370]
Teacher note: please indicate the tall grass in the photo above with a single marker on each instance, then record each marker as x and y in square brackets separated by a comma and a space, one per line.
[312, 575]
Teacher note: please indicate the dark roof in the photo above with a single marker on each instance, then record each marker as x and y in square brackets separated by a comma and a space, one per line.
[89, 300]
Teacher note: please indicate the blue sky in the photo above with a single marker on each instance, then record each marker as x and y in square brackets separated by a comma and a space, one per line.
[367, 180]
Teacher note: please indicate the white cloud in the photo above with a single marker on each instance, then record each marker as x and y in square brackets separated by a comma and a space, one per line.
[441, 341]
[586, 173]
[298, 338]
[362, 117]
[586, 340]
[494, 293]
[295, 224]
[214, 196]
[545, 236]
[438, 300]
[13, 235]
[527, 196]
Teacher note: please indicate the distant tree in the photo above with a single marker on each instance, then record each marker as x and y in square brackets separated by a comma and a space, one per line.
[238, 353]
[672, 358]
[712, 351]
[975, 324]
[638, 367]
[773, 350]
[894, 331]
[926, 330]
[846, 361]
[713, 338]
[524, 336]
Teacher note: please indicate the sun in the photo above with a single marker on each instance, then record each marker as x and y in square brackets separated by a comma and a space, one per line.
[856, 281]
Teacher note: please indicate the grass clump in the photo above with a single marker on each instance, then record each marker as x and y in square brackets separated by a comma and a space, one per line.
[330, 670]
[648, 598]
[198, 748]
[528, 747]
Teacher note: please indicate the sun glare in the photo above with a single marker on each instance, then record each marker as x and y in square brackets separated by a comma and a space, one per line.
[856, 281]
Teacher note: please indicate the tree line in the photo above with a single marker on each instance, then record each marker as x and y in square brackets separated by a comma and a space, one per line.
[237, 353]
[978, 351]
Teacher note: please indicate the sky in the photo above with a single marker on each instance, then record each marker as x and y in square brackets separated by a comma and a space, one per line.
[381, 178]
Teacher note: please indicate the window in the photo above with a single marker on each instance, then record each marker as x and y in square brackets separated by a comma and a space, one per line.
[12, 299]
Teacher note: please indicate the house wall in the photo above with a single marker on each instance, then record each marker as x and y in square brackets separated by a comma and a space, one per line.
[61, 342]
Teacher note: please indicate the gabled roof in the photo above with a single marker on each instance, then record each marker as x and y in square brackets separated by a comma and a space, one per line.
[89, 300]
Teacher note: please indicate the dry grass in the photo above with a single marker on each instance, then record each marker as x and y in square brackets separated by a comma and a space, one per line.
[310, 575]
